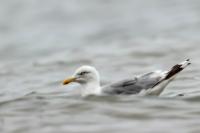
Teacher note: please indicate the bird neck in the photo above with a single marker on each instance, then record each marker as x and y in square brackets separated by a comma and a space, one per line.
[91, 88]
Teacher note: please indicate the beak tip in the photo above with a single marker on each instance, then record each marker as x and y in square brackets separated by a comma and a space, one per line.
[67, 81]
[64, 82]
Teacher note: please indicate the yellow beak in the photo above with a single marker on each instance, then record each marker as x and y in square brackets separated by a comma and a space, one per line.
[69, 80]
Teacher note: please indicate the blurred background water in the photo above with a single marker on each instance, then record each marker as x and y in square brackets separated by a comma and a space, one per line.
[44, 41]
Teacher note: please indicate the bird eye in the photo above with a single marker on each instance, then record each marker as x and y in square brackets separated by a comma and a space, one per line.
[83, 73]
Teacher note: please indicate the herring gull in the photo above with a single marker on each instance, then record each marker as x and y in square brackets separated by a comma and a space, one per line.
[152, 83]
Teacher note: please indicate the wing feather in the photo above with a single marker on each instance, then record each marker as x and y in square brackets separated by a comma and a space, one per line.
[134, 85]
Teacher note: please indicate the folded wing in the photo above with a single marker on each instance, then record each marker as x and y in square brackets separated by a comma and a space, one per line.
[135, 85]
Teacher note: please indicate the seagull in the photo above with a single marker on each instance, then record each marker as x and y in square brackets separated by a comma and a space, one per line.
[152, 83]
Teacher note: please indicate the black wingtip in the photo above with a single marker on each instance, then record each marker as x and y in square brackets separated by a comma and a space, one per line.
[177, 68]
[174, 70]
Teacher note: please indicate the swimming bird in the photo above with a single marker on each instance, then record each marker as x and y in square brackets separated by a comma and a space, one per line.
[152, 83]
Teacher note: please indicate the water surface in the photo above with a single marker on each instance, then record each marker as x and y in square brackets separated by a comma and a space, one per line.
[43, 42]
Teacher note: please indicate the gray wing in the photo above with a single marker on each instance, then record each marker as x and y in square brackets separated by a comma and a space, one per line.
[133, 86]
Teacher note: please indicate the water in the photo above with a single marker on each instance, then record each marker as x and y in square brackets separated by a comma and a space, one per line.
[43, 42]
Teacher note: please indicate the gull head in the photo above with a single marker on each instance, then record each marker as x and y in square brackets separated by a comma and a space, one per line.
[84, 75]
